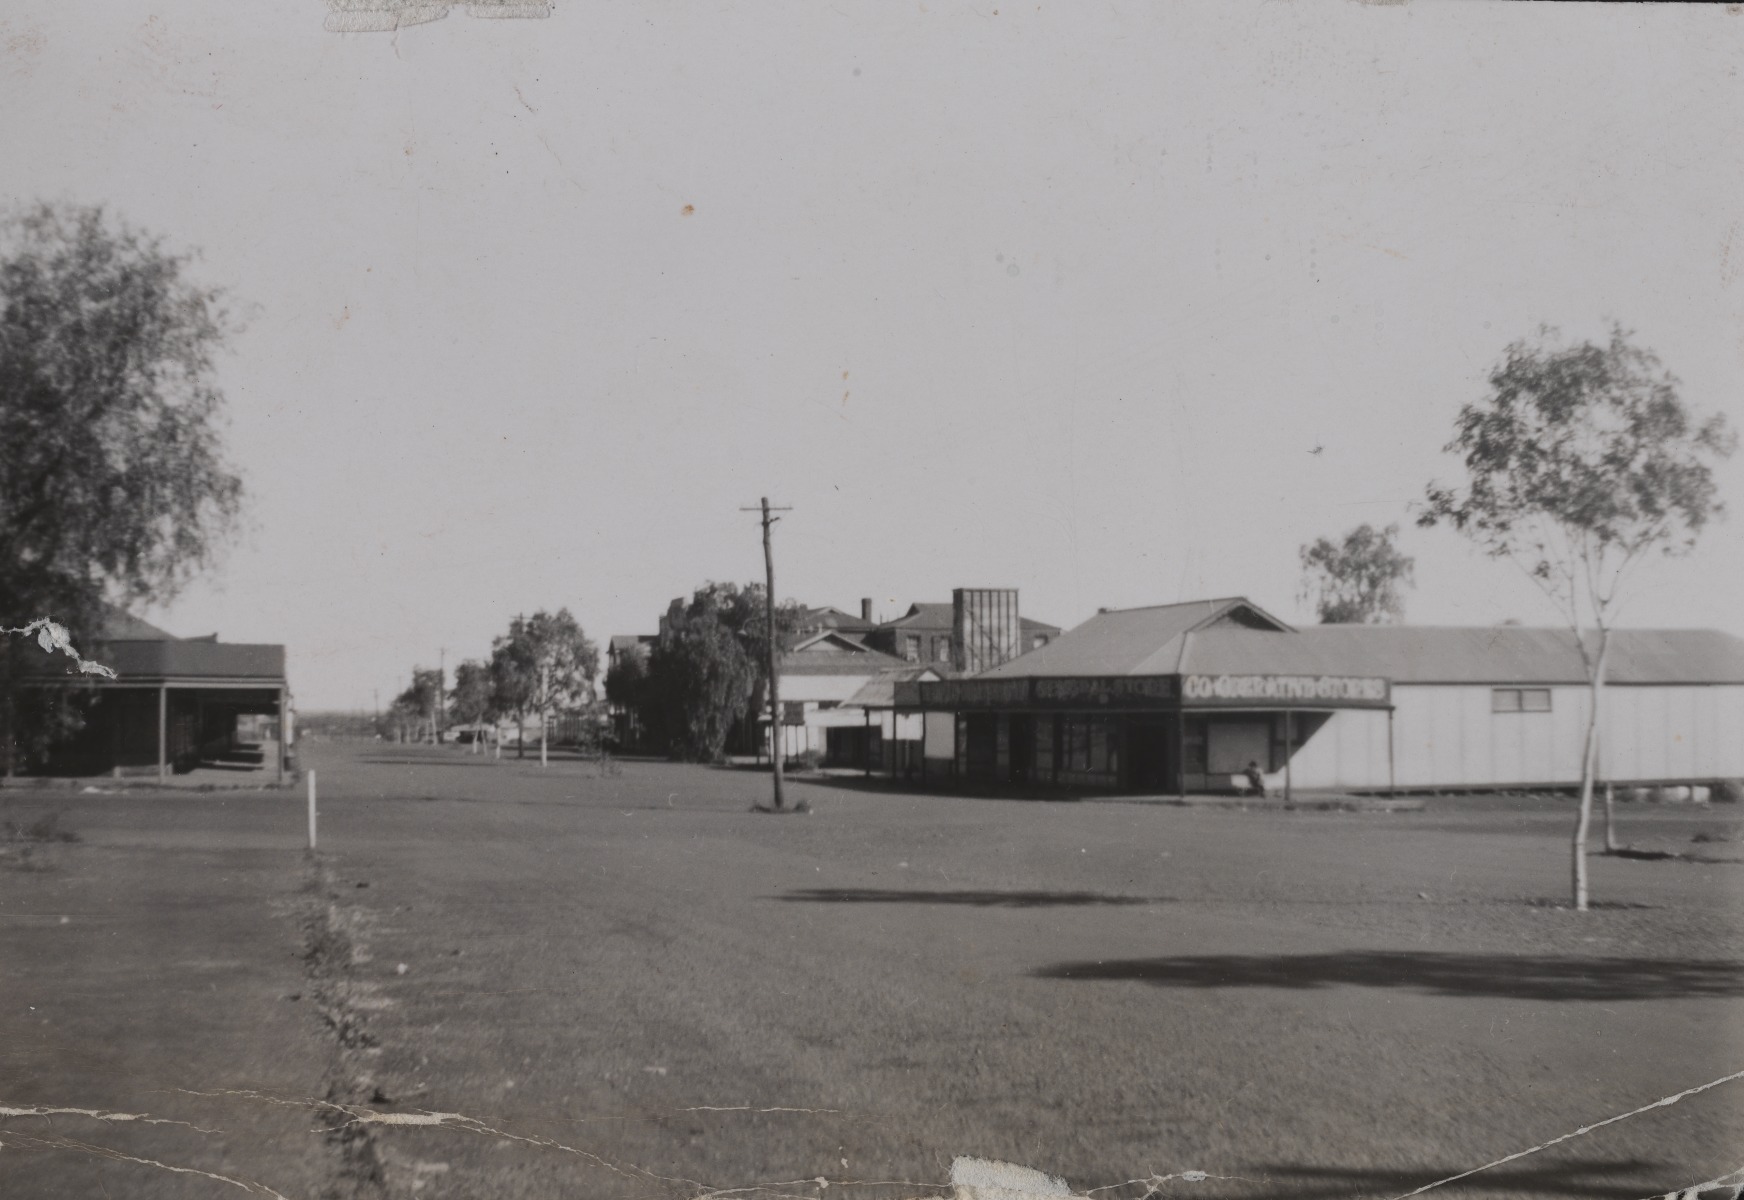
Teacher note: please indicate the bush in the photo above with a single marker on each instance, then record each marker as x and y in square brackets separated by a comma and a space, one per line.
[1727, 791]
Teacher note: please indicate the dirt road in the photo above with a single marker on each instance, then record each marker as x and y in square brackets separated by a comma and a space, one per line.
[629, 985]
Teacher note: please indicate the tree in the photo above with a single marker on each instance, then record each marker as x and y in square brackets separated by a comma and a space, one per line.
[545, 662]
[417, 705]
[472, 700]
[1357, 581]
[707, 671]
[114, 487]
[1583, 463]
[700, 678]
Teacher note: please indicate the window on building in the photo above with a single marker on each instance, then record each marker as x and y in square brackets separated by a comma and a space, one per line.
[1038, 641]
[1077, 751]
[1194, 748]
[911, 647]
[1512, 700]
[942, 649]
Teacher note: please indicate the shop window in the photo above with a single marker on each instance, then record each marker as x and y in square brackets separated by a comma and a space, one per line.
[1513, 700]
[1077, 751]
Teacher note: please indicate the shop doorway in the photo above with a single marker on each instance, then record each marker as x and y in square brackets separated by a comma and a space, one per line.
[1022, 748]
[1149, 762]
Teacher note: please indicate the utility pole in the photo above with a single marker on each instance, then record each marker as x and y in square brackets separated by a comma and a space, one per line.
[544, 709]
[775, 736]
[441, 690]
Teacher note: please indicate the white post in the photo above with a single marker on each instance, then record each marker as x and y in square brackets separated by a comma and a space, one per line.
[311, 810]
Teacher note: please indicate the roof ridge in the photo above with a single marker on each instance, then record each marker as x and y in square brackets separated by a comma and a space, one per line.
[1174, 604]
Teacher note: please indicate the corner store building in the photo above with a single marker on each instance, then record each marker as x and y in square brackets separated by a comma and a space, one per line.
[1179, 698]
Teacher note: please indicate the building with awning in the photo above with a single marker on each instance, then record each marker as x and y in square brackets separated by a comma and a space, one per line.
[1184, 698]
[174, 703]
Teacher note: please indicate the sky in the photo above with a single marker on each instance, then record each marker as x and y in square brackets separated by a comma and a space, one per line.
[1116, 304]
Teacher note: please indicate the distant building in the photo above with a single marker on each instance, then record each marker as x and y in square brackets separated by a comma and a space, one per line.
[979, 629]
[865, 731]
[1182, 697]
[624, 723]
[175, 703]
[818, 675]
[834, 620]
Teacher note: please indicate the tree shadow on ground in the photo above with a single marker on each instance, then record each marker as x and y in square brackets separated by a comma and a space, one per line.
[979, 899]
[1599, 1179]
[1432, 973]
[469, 761]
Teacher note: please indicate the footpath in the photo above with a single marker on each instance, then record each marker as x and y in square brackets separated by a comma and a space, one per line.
[158, 1036]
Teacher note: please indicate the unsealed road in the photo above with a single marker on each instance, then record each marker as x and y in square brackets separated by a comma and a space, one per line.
[629, 985]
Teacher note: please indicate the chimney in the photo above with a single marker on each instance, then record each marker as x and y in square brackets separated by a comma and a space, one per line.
[866, 609]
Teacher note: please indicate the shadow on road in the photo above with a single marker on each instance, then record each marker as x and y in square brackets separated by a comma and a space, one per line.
[1617, 1179]
[1432, 973]
[1034, 899]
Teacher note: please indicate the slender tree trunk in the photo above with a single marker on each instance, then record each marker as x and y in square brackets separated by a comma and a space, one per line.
[1611, 846]
[1589, 764]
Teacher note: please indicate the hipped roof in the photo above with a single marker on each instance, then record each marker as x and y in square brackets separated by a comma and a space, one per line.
[121, 626]
[931, 616]
[1201, 638]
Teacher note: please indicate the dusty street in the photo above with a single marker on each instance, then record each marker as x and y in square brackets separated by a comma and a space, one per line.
[628, 985]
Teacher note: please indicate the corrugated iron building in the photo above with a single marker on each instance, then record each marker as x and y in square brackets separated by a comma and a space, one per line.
[1182, 698]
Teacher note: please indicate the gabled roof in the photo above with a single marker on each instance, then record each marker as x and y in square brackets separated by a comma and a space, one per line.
[832, 653]
[832, 641]
[1237, 637]
[1502, 654]
[830, 617]
[1137, 641]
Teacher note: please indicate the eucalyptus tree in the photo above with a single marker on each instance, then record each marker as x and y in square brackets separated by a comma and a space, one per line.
[1359, 579]
[1583, 464]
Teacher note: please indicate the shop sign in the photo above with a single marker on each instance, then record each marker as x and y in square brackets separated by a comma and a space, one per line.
[1284, 689]
[1121, 691]
[976, 693]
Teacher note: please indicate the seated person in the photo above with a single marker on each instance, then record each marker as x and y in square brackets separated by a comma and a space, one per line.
[1255, 780]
